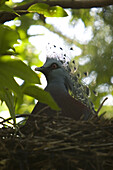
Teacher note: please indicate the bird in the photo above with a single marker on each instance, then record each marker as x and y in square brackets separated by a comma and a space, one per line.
[65, 88]
[59, 85]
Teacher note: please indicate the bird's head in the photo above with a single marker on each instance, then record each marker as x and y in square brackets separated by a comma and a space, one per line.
[55, 72]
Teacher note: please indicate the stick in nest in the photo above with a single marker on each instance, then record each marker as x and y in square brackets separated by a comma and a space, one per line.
[100, 107]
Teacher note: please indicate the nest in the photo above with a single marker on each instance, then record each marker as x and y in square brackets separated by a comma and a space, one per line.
[58, 143]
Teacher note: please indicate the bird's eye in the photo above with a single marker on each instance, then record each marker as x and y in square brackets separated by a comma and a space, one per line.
[54, 66]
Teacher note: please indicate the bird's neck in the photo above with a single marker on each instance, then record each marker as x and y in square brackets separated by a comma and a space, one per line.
[59, 82]
[57, 85]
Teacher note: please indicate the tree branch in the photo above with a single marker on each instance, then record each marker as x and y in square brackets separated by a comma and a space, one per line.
[73, 4]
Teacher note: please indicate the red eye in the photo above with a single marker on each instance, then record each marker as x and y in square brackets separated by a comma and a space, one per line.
[54, 66]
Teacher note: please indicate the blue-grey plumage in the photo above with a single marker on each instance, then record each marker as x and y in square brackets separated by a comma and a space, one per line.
[59, 84]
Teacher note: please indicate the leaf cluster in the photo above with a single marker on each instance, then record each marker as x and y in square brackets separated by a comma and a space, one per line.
[14, 50]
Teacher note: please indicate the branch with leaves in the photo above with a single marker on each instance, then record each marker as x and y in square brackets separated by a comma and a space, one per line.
[73, 4]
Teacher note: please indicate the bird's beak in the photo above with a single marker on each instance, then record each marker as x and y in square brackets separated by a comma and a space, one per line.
[39, 69]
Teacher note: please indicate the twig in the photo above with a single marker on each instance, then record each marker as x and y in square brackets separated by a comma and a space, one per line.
[17, 116]
[101, 105]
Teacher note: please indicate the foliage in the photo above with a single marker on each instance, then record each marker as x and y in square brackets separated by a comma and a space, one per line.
[7, 35]
[84, 15]
[11, 66]
[47, 11]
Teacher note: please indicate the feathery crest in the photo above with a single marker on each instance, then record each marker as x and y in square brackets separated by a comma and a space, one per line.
[52, 51]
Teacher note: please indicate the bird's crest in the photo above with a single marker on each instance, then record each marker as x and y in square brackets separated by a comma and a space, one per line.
[58, 53]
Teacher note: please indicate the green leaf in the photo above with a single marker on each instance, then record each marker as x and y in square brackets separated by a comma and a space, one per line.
[47, 11]
[17, 68]
[41, 95]
[5, 8]
[57, 11]
[8, 37]
[8, 82]
[38, 7]
[2, 2]
[9, 68]
[7, 96]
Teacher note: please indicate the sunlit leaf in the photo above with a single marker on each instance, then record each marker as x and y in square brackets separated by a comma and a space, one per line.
[5, 8]
[41, 95]
[39, 7]
[6, 95]
[8, 87]
[14, 67]
[8, 37]
[47, 11]
[8, 82]
[57, 11]
[9, 68]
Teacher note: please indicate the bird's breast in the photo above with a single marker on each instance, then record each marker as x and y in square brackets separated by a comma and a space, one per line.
[70, 107]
